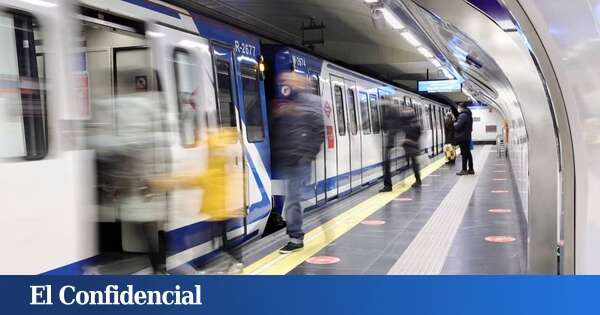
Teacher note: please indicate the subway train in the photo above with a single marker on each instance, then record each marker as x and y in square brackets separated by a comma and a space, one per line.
[67, 82]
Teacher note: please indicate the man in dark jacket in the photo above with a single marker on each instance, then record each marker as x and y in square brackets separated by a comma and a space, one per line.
[391, 126]
[298, 134]
[412, 133]
[462, 133]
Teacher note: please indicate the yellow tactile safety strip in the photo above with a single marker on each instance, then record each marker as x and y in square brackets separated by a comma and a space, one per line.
[321, 236]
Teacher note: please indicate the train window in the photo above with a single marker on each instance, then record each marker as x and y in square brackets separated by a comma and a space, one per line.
[364, 113]
[184, 82]
[225, 96]
[339, 109]
[253, 113]
[314, 83]
[23, 129]
[374, 113]
[352, 112]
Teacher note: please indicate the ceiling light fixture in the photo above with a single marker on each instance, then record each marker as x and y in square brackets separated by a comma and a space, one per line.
[41, 3]
[435, 62]
[425, 52]
[447, 74]
[410, 38]
[391, 19]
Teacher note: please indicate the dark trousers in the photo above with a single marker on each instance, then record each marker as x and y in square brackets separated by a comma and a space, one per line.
[390, 143]
[387, 172]
[467, 157]
[415, 166]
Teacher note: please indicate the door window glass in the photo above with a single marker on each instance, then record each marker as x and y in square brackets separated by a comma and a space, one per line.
[314, 85]
[252, 103]
[352, 112]
[23, 130]
[184, 82]
[365, 118]
[374, 113]
[339, 108]
[225, 96]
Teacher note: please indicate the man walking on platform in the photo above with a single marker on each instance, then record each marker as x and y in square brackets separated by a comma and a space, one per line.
[462, 134]
[391, 126]
[412, 133]
[298, 118]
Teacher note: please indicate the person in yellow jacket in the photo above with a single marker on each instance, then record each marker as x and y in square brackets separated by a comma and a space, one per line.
[219, 200]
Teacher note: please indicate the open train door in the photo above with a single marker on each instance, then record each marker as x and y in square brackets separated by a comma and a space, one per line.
[186, 72]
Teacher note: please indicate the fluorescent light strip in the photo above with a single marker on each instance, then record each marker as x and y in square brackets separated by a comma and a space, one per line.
[391, 19]
[410, 38]
[425, 52]
[435, 62]
[447, 74]
[41, 3]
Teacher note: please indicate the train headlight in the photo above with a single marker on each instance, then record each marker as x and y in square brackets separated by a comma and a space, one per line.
[261, 67]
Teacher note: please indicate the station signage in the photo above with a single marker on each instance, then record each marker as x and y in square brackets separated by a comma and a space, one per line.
[440, 86]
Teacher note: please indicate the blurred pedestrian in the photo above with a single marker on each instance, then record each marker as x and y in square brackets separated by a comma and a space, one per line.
[462, 132]
[219, 203]
[391, 125]
[298, 118]
[125, 160]
[449, 150]
[412, 133]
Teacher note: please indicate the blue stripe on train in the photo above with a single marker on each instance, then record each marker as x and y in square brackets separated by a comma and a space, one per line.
[155, 7]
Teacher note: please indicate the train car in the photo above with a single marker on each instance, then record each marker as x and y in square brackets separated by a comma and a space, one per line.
[352, 155]
[99, 76]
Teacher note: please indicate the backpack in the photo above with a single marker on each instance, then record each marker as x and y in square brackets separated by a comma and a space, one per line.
[298, 130]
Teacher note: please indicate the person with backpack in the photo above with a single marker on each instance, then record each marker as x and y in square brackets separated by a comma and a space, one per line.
[462, 132]
[298, 136]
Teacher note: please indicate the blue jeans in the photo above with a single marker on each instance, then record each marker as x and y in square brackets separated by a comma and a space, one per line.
[296, 177]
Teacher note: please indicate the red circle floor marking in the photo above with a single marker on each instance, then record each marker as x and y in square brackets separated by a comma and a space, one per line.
[403, 199]
[500, 210]
[499, 239]
[373, 222]
[499, 191]
[323, 260]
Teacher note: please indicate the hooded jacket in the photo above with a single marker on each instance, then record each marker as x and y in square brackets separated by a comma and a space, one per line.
[463, 126]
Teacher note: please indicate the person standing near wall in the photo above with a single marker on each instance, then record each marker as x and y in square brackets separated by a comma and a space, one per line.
[463, 127]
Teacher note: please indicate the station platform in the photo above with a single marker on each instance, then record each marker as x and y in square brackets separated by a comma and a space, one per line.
[451, 225]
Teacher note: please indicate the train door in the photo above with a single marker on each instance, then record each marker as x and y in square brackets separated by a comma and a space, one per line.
[319, 163]
[442, 131]
[355, 139]
[228, 117]
[377, 134]
[396, 161]
[366, 138]
[343, 139]
[431, 128]
[184, 63]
